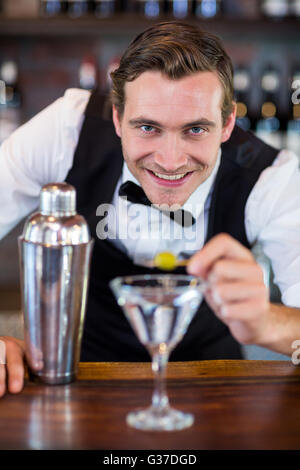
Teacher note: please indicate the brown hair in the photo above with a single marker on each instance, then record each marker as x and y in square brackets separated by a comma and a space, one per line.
[176, 49]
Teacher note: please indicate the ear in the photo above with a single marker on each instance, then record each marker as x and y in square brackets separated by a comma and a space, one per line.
[116, 121]
[228, 128]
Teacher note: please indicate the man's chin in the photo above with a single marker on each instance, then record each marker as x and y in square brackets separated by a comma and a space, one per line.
[162, 200]
[167, 192]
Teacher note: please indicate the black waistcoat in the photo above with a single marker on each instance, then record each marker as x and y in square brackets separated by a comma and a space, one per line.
[96, 169]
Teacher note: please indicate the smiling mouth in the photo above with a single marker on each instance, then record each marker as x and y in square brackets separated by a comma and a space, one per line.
[171, 181]
[175, 177]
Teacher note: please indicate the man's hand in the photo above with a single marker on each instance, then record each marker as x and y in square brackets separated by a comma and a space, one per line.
[236, 291]
[12, 373]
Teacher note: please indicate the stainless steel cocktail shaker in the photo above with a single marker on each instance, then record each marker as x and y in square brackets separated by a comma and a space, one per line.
[55, 250]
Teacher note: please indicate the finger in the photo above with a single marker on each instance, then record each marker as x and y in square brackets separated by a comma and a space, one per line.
[34, 355]
[34, 358]
[243, 311]
[214, 303]
[15, 366]
[2, 380]
[236, 270]
[220, 246]
[2, 367]
[227, 292]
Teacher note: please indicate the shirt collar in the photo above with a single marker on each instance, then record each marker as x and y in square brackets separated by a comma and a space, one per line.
[127, 175]
[196, 201]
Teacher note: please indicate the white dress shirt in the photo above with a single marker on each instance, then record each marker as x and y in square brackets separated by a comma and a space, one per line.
[42, 151]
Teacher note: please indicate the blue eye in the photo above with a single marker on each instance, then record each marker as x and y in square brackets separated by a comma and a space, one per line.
[146, 128]
[197, 130]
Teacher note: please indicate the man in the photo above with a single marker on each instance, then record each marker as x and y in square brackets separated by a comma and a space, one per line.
[174, 112]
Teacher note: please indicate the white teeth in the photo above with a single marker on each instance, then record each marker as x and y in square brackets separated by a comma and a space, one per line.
[170, 177]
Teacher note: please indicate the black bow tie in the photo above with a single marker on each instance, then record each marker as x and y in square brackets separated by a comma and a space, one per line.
[135, 193]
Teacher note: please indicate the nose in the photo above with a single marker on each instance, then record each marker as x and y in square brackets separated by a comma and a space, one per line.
[170, 155]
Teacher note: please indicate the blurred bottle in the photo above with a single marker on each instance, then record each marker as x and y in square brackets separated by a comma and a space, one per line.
[295, 8]
[112, 65]
[179, 8]
[208, 8]
[77, 8]
[9, 74]
[293, 125]
[105, 8]
[88, 74]
[52, 7]
[269, 127]
[20, 8]
[150, 8]
[241, 9]
[275, 9]
[242, 83]
[10, 99]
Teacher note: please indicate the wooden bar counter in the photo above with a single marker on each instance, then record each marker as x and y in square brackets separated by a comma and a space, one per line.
[236, 404]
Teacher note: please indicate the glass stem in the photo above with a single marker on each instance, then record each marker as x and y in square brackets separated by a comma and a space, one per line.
[160, 399]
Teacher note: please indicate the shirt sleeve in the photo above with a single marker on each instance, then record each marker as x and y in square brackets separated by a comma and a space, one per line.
[272, 218]
[39, 152]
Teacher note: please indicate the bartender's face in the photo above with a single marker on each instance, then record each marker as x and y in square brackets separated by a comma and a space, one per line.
[171, 132]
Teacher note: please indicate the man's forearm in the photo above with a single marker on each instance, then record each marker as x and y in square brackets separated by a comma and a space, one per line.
[282, 330]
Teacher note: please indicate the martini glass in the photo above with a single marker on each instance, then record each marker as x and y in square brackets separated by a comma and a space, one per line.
[159, 309]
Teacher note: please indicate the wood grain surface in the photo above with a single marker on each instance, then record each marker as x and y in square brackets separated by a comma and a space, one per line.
[236, 404]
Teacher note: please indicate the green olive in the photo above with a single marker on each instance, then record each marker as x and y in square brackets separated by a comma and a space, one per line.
[165, 261]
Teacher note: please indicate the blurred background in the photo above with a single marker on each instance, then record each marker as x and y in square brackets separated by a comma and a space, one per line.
[47, 46]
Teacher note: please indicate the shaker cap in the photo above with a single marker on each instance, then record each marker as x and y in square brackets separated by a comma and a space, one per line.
[57, 222]
[58, 199]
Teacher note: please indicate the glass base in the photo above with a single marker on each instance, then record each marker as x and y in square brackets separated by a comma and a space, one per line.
[151, 419]
[44, 378]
